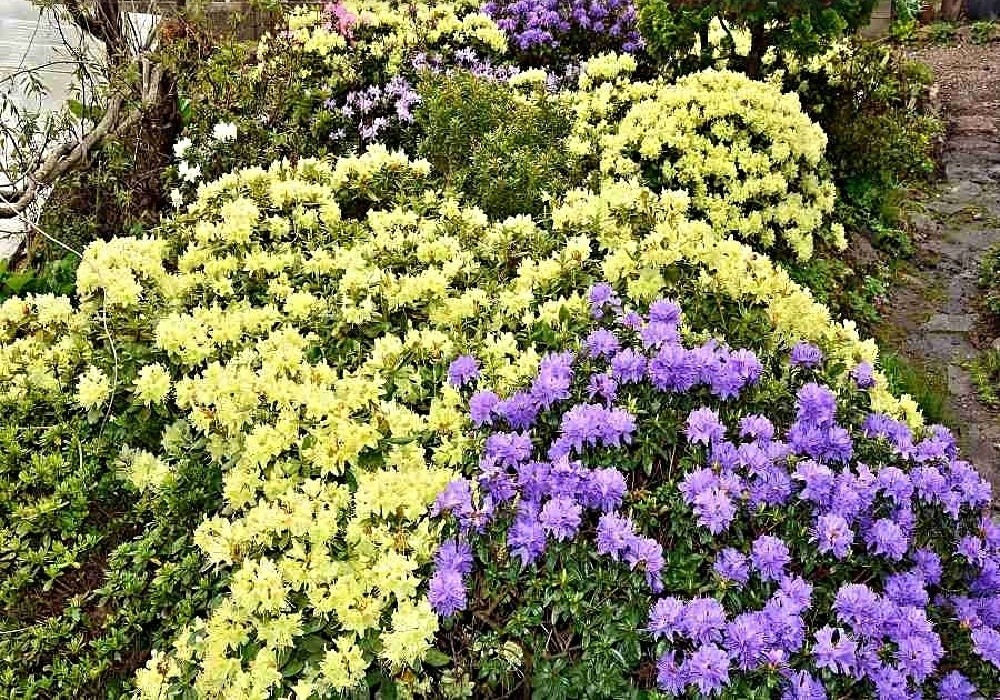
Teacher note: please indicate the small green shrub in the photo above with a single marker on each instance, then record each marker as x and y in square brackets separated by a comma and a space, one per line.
[928, 389]
[942, 33]
[985, 371]
[983, 32]
[904, 31]
[989, 280]
[489, 143]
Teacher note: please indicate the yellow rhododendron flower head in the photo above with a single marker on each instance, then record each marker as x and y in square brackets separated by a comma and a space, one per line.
[747, 155]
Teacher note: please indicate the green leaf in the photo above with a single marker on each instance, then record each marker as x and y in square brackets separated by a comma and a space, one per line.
[437, 658]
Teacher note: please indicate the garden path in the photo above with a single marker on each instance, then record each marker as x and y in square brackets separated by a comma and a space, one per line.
[934, 312]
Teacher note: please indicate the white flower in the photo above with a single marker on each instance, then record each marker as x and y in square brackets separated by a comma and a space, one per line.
[181, 147]
[187, 172]
[224, 131]
[176, 198]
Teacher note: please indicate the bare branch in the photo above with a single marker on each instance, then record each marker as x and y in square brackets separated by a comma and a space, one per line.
[16, 197]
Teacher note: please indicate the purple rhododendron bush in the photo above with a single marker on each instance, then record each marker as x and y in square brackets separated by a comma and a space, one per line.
[659, 509]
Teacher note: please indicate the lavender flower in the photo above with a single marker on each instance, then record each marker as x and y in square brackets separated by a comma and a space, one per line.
[481, 407]
[666, 618]
[703, 620]
[463, 370]
[864, 375]
[446, 592]
[703, 426]
[986, 643]
[732, 565]
[769, 556]
[707, 669]
[955, 686]
[806, 355]
[886, 538]
[839, 655]
[833, 535]
[560, 517]
[670, 675]
[602, 343]
[614, 535]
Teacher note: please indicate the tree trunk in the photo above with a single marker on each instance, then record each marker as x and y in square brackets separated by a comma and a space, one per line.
[929, 13]
[758, 47]
[951, 10]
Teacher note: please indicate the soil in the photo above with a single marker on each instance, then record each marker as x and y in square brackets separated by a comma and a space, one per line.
[934, 317]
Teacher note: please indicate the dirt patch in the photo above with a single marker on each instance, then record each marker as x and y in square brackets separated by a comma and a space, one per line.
[934, 316]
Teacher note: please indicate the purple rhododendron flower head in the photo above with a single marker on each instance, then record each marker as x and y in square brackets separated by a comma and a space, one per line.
[816, 404]
[714, 508]
[837, 655]
[615, 534]
[631, 320]
[601, 296]
[463, 370]
[481, 407]
[769, 556]
[455, 499]
[928, 564]
[864, 375]
[655, 334]
[986, 643]
[670, 676]
[602, 343]
[454, 555]
[745, 640]
[526, 538]
[758, 427]
[560, 517]
[665, 311]
[590, 425]
[707, 669]
[673, 369]
[555, 373]
[446, 592]
[955, 686]
[704, 426]
[860, 608]
[801, 685]
[602, 386]
[646, 554]
[732, 565]
[895, 484]
[887, 538]
[510, 449]
[703, 620]
[628, 367]
[604, 489]
[666, 618]
[833, 535]
[520, 410]
[795, 593]
[806, 355]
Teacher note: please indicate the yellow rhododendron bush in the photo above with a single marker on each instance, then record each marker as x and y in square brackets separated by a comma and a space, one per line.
[749, 157]
[293, 328]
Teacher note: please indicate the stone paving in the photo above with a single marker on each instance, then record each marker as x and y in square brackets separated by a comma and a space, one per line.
[934, 312]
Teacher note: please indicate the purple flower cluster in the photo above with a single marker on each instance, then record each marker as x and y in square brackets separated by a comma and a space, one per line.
[748, 641]
[539, 25]
[377, 108]
[879, 632]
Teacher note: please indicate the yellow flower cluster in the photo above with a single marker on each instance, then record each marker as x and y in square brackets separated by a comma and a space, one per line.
[385, 34]
[299, 320]
[745, 152]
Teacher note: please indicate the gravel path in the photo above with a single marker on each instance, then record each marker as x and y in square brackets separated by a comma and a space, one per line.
[934, 312]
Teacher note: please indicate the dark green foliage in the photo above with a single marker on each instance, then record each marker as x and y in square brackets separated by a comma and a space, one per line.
[928, 389]
[801, 28]
[989, 280]
[485, 142]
